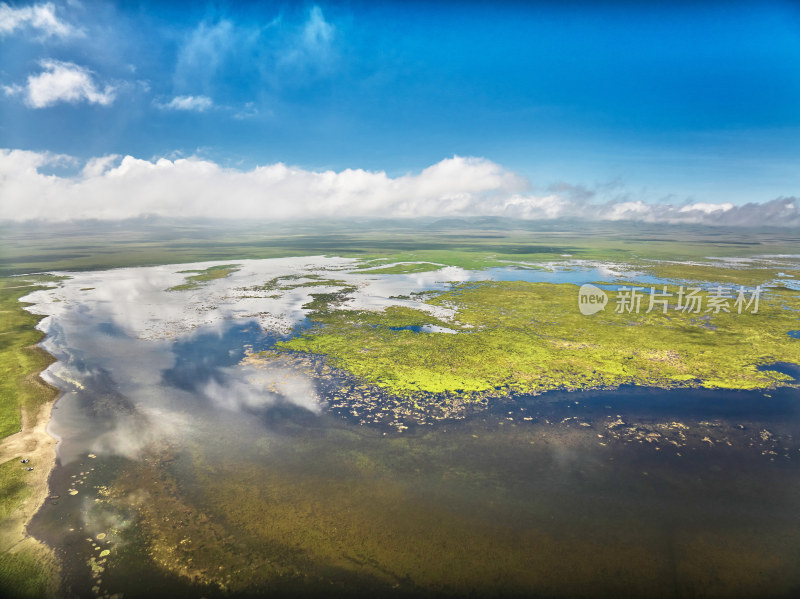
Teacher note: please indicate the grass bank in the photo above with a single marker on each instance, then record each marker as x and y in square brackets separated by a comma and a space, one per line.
[27, 567]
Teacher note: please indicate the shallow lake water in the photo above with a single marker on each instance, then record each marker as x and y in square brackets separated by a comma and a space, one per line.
[183, 471]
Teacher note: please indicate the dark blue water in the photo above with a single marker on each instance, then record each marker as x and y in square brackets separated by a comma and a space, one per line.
[780, 405]
[201, 357]
[787, 368]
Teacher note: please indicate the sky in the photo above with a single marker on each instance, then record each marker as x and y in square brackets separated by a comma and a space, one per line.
[675, 111]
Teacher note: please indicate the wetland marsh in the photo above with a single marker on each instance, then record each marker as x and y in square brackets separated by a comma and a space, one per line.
[307, 425]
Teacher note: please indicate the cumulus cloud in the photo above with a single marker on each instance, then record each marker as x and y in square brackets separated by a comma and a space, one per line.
[188, 103]
[41, 17]
[62, 82]
[116, 188]
[95, 167]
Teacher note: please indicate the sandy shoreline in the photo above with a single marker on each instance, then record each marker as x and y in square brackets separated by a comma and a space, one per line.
[34, 443]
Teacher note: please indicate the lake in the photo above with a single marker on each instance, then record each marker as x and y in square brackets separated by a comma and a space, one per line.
[184, 470]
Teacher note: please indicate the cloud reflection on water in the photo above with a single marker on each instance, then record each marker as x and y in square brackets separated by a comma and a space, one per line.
[247, 388]
[143, 364]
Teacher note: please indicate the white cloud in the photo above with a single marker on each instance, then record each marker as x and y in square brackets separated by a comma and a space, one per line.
[317, 32]
[707, 208]
[627, 210]
[203, 53]
[13, 90]
[189, 103]
[116, 188]
[312, 46]
[95, 167]
[41, 17]
[62, 82]
[268, 55]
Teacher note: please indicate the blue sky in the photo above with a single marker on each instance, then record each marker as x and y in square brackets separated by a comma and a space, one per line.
[662, 102]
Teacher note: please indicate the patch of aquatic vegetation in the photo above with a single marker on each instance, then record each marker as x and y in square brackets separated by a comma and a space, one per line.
[39, 279]
[336, 510]
[258, 525]
[351, 398]
[518, 337]
[681, 437]
[289, 282]
[322, 304]
[431, 259]
[749, 273]
[403, 268]
[201, 276]
[175, 533]
[315, 283]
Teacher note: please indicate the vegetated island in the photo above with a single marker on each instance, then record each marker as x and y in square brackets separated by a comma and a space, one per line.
[198, 277]
[510, 338]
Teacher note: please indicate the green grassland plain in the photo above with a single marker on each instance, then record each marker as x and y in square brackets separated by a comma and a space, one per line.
[470, 243]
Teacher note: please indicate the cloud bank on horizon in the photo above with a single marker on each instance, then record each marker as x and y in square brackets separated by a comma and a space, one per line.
[116, 188]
